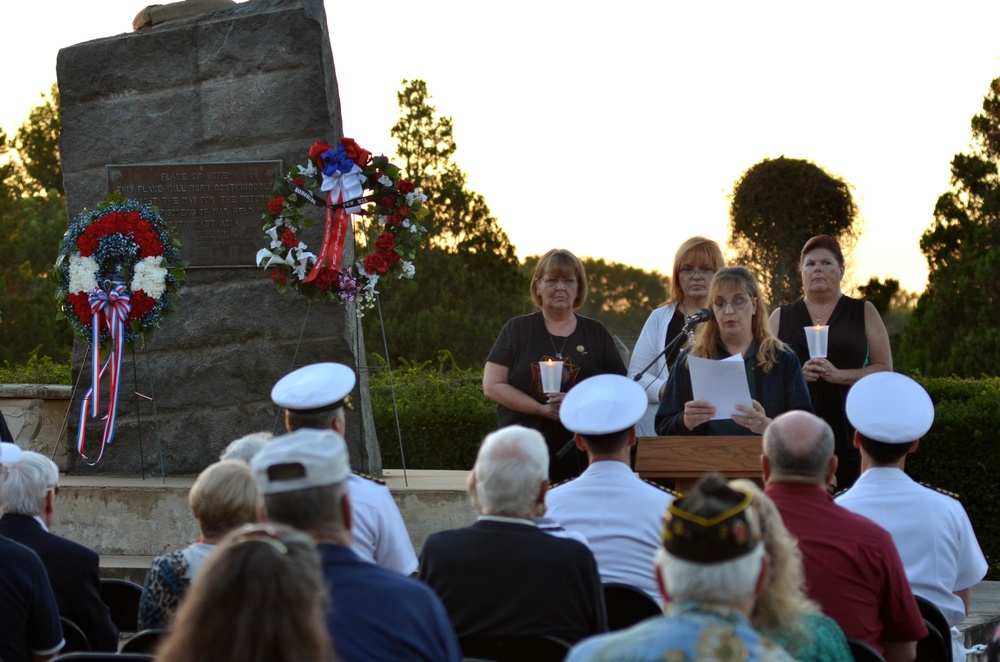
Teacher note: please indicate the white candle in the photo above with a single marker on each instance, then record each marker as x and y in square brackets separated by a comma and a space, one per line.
[817, 338]
[551, 373]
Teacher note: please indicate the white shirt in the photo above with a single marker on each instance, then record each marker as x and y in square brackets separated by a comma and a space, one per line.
[932, 533]
[651, 342]
[620, 515]
[380, 536]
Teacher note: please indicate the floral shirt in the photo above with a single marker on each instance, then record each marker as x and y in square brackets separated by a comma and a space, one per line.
[692, 631]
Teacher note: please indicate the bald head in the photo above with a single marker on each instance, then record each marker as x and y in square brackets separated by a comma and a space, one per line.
[798, 447]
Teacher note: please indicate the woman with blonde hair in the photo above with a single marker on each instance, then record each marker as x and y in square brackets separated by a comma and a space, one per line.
[782, 612]
[738, 326]
[223, 497]
[695, 262]
[260, 598]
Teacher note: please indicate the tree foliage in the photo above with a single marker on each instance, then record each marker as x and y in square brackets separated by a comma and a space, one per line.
[467, 282]
[32, 222]
[955, 328]
[778, 205]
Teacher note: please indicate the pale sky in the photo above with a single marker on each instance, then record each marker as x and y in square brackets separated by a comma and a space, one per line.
[617, 130]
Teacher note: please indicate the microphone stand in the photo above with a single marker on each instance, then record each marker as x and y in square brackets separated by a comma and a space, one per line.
[686, 332]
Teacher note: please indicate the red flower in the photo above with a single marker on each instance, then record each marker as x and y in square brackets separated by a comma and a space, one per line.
[375, 263]
[288, 239]
[403, 211]
[405, 187]
[325, 278]
[278, 276]
[355, 152]
[395, 219]
[141, 304]
[300, 181]
[388, 200]
[80, 301]
[385, 243]
[316, 151]
[275, 205]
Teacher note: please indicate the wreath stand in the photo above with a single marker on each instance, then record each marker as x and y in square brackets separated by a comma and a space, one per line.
[138, 413]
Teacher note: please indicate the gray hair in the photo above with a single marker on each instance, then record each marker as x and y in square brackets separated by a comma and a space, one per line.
[512, 464]
[804, 450]
[23, 488]
[246, 446]
[728, 583]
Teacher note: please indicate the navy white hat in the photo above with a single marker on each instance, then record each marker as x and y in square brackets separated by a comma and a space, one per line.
[9, 453]
[300, 460]
[890, 407]
[602, 405]
[315, 387]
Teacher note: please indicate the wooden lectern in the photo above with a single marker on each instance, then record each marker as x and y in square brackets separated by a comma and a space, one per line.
[686, 459]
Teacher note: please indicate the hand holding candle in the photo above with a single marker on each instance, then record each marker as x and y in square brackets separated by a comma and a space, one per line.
[551, 372]
[816, 338]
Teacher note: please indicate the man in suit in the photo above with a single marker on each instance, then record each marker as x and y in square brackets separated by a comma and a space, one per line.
[28, 495]
[503, 576]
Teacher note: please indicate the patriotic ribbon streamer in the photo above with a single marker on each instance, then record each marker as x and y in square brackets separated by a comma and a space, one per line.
[342, 180]
[110, 306]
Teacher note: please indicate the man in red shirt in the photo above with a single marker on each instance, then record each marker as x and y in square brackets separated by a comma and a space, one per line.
[852, 567]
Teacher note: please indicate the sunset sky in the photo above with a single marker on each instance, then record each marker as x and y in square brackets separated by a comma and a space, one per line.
[617, 130]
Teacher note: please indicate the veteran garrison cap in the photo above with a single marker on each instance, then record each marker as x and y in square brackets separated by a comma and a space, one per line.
[710, 524]
[316, 387]
[890, 407]
[300, 460]
[602, 405]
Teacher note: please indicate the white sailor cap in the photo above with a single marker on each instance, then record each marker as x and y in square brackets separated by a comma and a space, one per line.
[315, 387]
[890, 407]
[603, 404]
[300, 460]
[9, 453]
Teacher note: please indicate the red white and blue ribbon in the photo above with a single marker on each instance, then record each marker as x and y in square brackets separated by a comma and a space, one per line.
[342, 181]
[110, 307]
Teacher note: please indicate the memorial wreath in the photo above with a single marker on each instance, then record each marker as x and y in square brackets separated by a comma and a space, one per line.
[354, 182]
[118, 274]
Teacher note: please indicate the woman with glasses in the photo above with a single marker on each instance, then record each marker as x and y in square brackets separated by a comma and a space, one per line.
[695, 262]
[512, 377]
[260, 599]
[738, 326]
[857, 343]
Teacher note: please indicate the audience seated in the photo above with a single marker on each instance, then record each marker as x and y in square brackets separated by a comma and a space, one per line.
[223, 498]
[28, 498]
[852, 567]
[711, 569]
[619, 514]
[503, 576]
[783, 613]
[259, 598]
[374, 613]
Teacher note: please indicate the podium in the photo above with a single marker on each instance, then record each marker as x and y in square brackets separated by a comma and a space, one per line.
[686, 459]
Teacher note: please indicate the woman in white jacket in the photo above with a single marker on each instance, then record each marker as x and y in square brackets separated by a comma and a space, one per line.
[695, 262]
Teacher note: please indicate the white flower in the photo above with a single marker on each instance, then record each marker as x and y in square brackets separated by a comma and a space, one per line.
[150, 277]
[273, 234]
[382, 220]
[415, 195]
[406, 269]
[414, 228]
[308, 170]
[82, 274]
[405, 223]
[384, 180]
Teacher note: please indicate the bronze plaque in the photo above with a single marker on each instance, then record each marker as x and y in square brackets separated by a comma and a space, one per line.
[216, 207]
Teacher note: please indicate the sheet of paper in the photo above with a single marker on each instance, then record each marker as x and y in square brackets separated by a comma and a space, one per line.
[723, 383]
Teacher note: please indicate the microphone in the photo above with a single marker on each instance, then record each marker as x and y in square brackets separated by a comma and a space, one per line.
[702, 315]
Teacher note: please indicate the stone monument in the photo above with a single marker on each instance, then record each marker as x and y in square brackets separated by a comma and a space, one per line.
[253, 82]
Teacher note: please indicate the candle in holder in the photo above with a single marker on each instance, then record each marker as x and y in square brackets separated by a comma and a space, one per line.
[551, 375]
[816, 338]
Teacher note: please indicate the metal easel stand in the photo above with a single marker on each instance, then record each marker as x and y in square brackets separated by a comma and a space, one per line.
[392, 385]
[295, 356]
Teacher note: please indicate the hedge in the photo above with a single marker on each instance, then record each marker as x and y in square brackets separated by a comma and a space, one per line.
[444, 416]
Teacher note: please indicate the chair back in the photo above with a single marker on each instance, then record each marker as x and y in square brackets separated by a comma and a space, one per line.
[862, 652]
[76, 640]
[102, 657]
[122, 598]
[627, 605]
[936, 646]
[145, 641]
[541, 648]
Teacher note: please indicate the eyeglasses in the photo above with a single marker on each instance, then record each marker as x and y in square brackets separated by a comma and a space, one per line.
[688, 272]
[738, 303]
[555, 282]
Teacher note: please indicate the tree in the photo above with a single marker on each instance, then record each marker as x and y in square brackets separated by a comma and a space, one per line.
[467, 283]
[32, 221]
[955, 328]
[778, 205]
